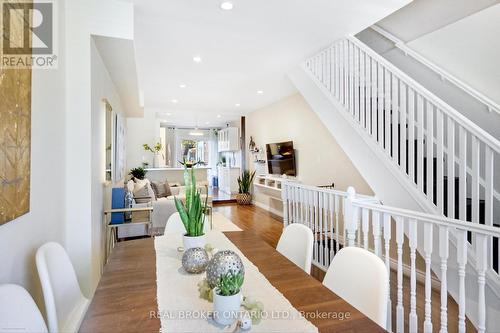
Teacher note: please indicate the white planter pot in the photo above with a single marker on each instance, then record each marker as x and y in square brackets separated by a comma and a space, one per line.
[226, 308]
[190, 242]
[156, 160]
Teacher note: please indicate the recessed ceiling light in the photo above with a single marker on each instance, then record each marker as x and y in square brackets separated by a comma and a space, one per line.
[196, 133]
[218, 116]
[175, 101]
[168, 114]
[207, 123]
[237, 104]
[260, 92]
[197, 59]
[182, 85]
[226, 5]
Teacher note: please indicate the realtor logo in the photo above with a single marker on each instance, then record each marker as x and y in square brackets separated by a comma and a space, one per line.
[28, 34]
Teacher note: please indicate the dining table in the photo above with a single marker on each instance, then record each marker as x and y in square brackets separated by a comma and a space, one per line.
[126, 297]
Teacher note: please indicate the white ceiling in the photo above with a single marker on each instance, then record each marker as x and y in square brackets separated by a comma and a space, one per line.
[247, 49]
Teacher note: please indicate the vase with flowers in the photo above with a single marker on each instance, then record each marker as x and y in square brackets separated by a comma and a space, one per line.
[156, 150]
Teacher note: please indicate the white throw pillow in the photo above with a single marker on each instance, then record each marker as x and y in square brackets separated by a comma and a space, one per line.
[130, 186]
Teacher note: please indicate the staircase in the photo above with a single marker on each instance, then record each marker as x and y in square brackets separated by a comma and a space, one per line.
[414, 150]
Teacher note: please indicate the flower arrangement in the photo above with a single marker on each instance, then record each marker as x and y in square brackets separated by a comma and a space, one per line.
[155, 149]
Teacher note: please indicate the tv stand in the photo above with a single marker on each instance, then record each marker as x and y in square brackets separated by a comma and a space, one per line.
[271, 184]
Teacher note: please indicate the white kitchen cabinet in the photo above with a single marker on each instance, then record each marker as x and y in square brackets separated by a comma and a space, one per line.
[229, 139]
[228, 179]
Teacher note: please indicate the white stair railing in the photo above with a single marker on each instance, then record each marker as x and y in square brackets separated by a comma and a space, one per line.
[453, 163]
[322, 210]
[340, 219]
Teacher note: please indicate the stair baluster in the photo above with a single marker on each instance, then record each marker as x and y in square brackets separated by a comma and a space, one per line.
[461, 261]
[412, 233]
[428, 287]
[481, 266]
[387, 242]
[399, 307]
[450, 168]
[443, 254]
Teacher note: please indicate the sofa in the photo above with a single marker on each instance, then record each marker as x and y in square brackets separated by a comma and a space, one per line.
[163, 206]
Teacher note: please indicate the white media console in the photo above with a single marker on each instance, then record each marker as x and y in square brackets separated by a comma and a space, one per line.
[271, 184]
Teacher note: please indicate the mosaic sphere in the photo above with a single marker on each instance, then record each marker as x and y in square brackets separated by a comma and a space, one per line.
[222, 263]
[195, 260]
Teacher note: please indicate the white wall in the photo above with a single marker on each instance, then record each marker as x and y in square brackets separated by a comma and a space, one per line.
[469, 49]
[20, 238]
[319, 159]
[141, 131]
[109, 18]
[423, 16]
[102, 88]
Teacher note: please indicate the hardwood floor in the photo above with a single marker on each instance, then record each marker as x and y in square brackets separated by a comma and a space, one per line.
[269, 227]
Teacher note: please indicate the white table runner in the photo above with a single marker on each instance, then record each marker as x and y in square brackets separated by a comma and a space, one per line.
[178, 296]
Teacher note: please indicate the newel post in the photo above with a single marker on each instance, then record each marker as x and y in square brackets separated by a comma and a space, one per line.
[350, 217]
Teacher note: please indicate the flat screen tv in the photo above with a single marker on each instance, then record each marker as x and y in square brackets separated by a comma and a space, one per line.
[281, 158]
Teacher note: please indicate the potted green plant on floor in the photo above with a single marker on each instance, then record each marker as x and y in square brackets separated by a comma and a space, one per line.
[244, 197]
[227, 298]
[192, 212]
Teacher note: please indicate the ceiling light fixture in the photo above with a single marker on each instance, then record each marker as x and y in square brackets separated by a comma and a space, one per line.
[168, 114]
[207, 123]
[226, 5]
[175, 101]
[182, 85]
[237, 105]
[197, 59]
[218, 116]
[260, 92]
[196, 133]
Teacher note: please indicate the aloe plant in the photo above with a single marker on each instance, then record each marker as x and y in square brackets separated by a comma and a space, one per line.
[230, 283]
[245, 181]
[191, 212]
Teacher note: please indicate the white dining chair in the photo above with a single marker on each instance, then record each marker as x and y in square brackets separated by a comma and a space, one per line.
[18, 311]
[296, 243]
[65, 303]
[174, 225]
[360, 277]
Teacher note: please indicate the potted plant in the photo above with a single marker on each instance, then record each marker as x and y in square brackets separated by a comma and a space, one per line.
[138, 173]
[227, 298]
[192, 212]
[244, 183]
[156, 152]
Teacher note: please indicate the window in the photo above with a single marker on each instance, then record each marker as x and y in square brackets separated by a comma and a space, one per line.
[195, 151]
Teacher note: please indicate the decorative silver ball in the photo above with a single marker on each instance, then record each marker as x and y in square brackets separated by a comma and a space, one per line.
[195, 260]
[222, 263]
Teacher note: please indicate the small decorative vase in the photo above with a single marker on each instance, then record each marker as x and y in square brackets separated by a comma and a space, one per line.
[223, 262]
[244, 198]
[190, 242]
[156, 160]
[226, 308]
[195, 260]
